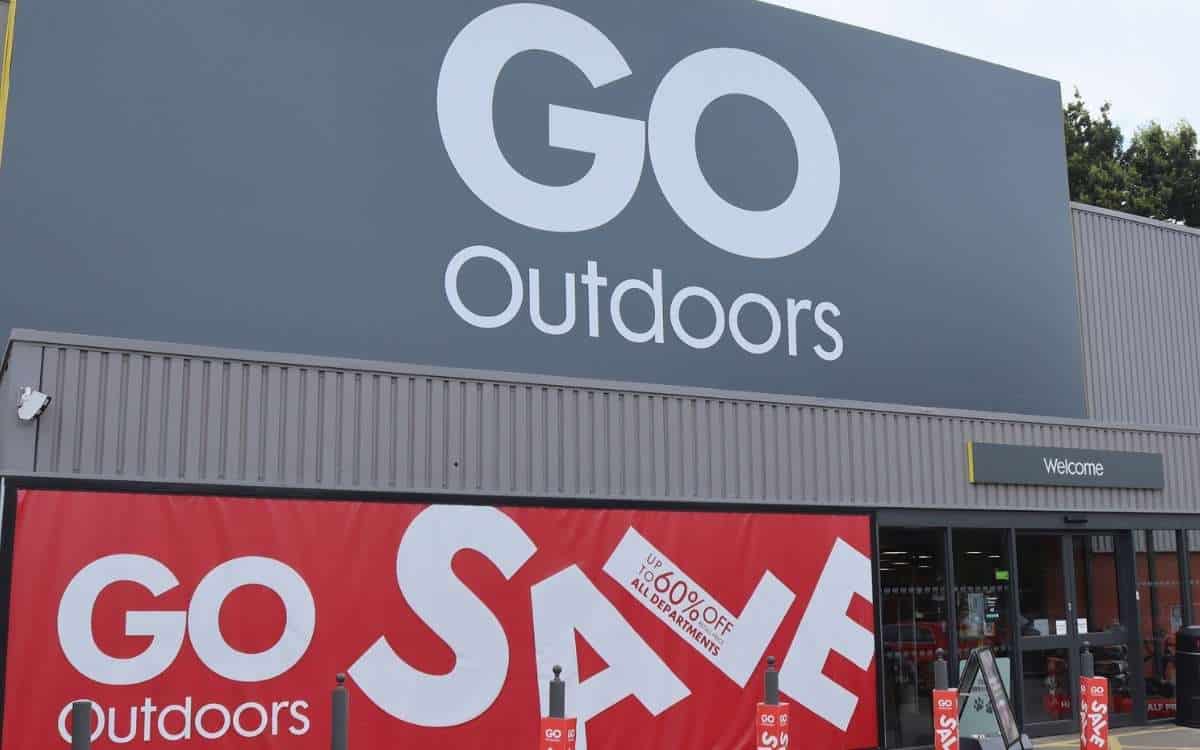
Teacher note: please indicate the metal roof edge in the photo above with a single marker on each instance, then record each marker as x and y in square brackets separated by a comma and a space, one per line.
[1157, 223]
[87, 341]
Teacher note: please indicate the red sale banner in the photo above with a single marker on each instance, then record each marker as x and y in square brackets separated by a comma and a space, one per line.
[557, 734]
[945, 719]
[205, 622]
[771, 729]
[1093, 700]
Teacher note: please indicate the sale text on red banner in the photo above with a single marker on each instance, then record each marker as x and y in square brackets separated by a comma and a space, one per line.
[1093, 702]
[945, 719]
[771, 727]
[206, 622]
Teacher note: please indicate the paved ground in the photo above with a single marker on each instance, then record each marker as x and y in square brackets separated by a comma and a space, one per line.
[1159, 738]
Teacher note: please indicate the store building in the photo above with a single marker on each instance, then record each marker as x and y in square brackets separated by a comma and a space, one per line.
[999, 387]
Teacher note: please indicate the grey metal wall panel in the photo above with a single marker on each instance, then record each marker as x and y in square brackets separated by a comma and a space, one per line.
[1139, 291]
[164, 412]
[23, 367]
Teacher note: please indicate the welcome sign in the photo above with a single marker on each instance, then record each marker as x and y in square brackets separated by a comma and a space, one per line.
[989, 463]
[724, 194]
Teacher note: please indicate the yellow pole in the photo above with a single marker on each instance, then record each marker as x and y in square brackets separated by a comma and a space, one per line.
[6, 70]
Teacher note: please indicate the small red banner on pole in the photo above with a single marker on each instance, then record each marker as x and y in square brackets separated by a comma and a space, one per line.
[771, 727]
[945, 719]
[1093, 701]
[557, 734]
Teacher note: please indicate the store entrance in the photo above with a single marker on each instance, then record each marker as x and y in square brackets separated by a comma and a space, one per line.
[1070, 594]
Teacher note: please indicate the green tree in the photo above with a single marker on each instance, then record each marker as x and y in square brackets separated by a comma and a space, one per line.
[1095, 146]
[1167, 165]
[1157, 175]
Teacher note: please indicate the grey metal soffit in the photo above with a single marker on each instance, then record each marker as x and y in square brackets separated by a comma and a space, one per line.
[170, 416]
[1139, 291]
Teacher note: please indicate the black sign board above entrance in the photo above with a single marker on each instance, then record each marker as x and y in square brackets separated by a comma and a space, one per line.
[989, 463]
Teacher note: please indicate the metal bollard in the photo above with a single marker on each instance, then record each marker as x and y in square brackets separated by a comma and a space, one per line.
[81, 725]
[558, 695]
[341, 715]
[945, 705]
[771, 717]
[1087, 661]
[771, 684]
[941, 672]
[557, 731]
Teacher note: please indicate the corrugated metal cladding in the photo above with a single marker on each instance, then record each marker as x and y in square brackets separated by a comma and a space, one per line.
[1139, 288]
[210, 416]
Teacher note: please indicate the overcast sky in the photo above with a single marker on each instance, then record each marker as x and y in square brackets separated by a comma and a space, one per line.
[1142, 55]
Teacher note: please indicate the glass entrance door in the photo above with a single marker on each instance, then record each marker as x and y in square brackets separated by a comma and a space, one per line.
[1068, 594]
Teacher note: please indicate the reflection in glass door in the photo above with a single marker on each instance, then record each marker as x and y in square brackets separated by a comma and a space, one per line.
[982, 608]
[1044, 614]
[913, 614]
[1068, 595]
[1097, 590]
[1160, 616]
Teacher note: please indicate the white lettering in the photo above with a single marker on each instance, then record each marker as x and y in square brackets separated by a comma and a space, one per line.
[535, 304]
[297, 710]
[793, 310]
[825, 628]
[568, 602]
[466, 99]
[681, 333]
[836, 352]
[262, 723]
[212, 734]
[735, 326]
[516, 288]
[682, 97]
[1064, 467]
[205, 628]
[465, 93]
[594, 283]
[75, 609]
[65, 732]
[654, 292]
[185, 730]
[454, 612]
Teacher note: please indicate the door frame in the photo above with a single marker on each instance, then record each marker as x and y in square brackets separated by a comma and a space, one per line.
[1121, 526]
[1073, 641]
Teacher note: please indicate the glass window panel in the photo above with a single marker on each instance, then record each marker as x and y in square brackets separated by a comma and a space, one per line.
[1096, 589]
[1046, 678]
[912, 579]
[1160, 615]
[1099, 611]
[981, 589]
[1042, 592]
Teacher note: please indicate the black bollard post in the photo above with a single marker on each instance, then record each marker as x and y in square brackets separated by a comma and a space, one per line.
[1087, 662]
[771, 684]
[941, 672]
[341, 715]
[558, 695]
[81, 725]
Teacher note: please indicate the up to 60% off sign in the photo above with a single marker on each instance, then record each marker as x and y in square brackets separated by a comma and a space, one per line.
[679, 598]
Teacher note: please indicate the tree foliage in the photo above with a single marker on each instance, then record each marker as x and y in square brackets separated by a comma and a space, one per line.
[1156, 175]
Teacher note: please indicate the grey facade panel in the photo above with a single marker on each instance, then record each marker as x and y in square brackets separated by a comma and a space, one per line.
[935, 289]
[170, 413]
[1138, 287]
